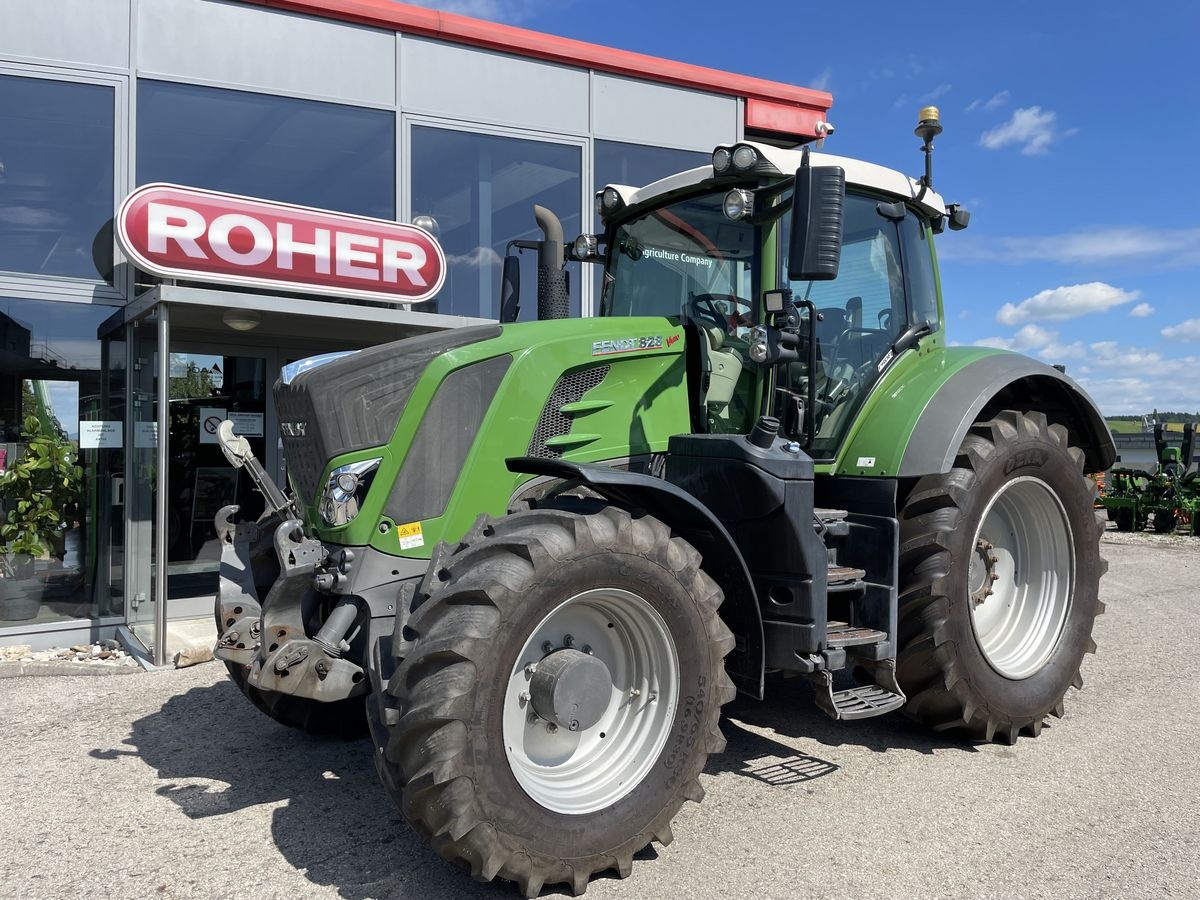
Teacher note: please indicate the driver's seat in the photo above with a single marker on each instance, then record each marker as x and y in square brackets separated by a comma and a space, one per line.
[720, 368]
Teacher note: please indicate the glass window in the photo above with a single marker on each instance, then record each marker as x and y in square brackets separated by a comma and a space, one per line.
[860, 315]
[636, 165]
[61, 454]
[206, 388]
[56, 177]
[918, 265]
[279, 148]
[690, 261]
[480, 190]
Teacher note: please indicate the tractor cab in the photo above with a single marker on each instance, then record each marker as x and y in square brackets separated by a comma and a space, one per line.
[716, 248]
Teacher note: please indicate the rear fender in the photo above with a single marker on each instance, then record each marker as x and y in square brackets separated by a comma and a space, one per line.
[994, 383]
[691, 520]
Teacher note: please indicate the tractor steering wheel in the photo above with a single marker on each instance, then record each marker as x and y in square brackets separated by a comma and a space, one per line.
[715, 308]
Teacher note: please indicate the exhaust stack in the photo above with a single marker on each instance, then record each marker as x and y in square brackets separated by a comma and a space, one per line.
[553, 288]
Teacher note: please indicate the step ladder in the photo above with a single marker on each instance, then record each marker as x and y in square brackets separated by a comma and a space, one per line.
[863, 701]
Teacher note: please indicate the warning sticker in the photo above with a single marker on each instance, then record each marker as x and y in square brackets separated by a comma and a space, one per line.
[410, 536]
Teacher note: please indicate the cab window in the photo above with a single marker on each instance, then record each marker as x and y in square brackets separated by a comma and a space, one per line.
[860, 315]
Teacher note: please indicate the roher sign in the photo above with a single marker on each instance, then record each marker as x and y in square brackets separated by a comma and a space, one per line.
[183, 232]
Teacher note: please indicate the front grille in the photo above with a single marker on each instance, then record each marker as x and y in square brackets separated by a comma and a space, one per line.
[553, 422]
[355, 402]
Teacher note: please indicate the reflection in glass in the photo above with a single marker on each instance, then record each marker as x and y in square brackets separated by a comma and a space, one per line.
[61, 417]
[205, 389]
[481, 190]
[636, 165]
[280, 148]
[56, 177]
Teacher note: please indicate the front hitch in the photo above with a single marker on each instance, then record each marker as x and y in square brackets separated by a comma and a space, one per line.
[268, 592]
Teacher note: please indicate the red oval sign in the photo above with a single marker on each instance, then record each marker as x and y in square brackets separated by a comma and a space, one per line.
[183, 232]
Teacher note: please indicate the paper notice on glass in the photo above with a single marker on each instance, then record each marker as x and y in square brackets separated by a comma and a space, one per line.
[210, 420]
[247, 424]
[95, 435]
[145, 435]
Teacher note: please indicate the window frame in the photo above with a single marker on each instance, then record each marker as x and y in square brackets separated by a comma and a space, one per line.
[32, 286]
[586, 167]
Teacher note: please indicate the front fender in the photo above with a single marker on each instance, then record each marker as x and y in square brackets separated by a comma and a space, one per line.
[917, 416]
[691, 520]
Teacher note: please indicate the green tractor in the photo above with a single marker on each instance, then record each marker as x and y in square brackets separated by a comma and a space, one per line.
[538, 558]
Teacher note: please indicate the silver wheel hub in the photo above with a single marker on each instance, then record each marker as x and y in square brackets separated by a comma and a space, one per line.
[571, 688]
[1021, 577]
[590, 701]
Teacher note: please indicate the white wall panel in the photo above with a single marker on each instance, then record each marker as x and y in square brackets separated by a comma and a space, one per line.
[266, 49]
[624, 109]
[78, 32]
[466, 82]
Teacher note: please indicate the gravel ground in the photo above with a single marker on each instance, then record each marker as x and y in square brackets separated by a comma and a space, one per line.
[171, 785]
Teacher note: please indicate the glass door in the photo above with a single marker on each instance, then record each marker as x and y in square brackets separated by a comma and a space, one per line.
[209, 384]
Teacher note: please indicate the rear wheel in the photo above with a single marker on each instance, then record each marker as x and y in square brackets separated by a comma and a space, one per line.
[557, 692]
[1000, 570]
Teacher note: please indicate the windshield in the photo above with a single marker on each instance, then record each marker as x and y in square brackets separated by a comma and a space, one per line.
[688, 260]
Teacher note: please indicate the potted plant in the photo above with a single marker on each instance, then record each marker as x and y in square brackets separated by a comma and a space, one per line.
[37, 490]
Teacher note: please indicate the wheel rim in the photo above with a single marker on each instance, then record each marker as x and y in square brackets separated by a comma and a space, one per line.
[1021, 577]
[578, 772]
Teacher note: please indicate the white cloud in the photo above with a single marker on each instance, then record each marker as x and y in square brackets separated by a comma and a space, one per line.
[1168, 246]
[823, 81]
[1187, 330]
[992, 104]
[1038, 341]
[1142, 310]
[497, 10]
[940, 91]
[1030, 126]
[1122, 379]
[1067, 302]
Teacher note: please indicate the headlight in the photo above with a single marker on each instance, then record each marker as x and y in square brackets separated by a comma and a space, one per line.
[345, 491]
[744, 157]
[759, 347]
[721, 160]
[610, 199]
[738, 204]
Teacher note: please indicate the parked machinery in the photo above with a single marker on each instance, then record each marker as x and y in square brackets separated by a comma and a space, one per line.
[1166, 498]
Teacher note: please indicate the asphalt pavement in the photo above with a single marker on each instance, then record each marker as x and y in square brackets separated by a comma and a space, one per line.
[171, 785]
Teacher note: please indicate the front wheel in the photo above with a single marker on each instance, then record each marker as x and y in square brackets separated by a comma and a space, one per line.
[557, 692]
[1000, 570]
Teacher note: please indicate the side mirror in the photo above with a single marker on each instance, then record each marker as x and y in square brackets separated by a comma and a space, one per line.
[818, 197]
[510, 288]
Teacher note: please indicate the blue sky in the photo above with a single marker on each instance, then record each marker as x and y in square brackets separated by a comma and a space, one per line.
[1071, 135]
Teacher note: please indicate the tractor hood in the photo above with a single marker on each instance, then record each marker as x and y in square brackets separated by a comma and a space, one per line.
[354, 401]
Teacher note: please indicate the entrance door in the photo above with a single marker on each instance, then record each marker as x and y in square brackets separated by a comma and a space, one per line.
[208, 385]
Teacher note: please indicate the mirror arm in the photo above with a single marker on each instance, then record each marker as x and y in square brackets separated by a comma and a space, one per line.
[810, 408]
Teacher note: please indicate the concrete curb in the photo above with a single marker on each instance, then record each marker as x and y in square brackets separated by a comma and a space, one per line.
[17, 668]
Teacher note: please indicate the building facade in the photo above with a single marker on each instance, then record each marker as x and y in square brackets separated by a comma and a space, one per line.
[362, 106]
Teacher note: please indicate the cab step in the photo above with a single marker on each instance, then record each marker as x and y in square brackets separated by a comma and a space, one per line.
[860, 702]
[839, 634]
[844, 575]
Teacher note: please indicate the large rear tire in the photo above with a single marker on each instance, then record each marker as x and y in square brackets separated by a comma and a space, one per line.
[467, 742]
[1000, 569]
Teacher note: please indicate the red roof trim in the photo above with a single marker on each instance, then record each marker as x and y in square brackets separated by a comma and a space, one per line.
[805, 105]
